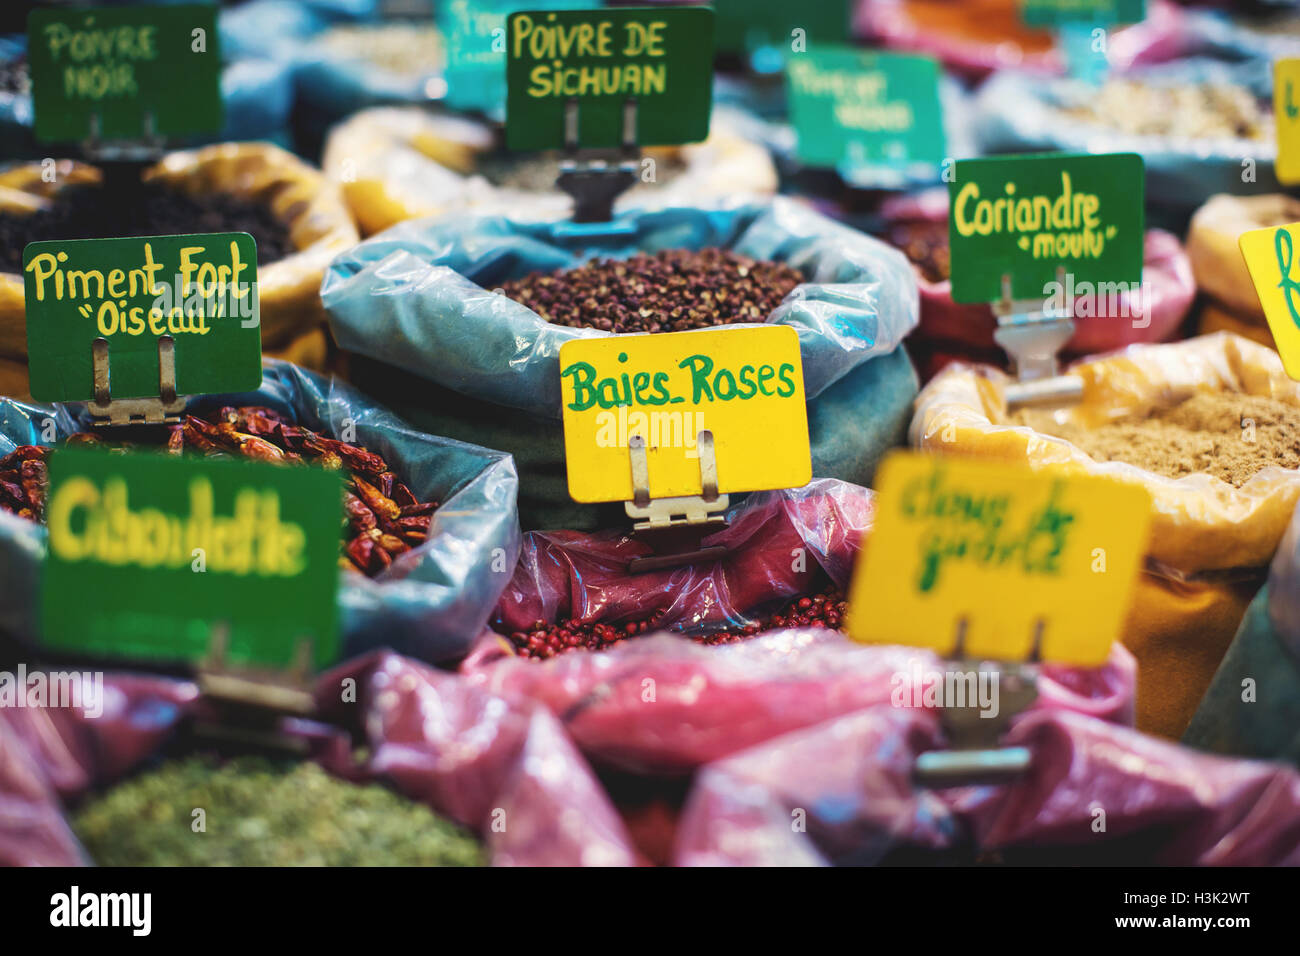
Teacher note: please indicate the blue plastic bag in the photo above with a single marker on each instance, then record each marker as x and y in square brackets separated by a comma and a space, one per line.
[430, 604]
[415, 299]
[1015, 113]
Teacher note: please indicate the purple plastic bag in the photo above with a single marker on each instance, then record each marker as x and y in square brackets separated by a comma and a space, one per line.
[846, 783]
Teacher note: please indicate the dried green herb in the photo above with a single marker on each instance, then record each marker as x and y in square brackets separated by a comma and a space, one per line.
[264, 813]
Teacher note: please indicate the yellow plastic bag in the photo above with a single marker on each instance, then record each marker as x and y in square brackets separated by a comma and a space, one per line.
[1209, 541]
[398, 163]
[311, 207]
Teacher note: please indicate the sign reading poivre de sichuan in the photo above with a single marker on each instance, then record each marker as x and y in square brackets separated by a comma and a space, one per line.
[1026, 217]
[200, 290]
[119, 72]
[660, 58]
[148, 552]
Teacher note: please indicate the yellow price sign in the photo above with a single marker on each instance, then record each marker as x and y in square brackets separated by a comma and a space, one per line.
[1270, 259]
[1286, 113]
[1000, 553]
[743, 385]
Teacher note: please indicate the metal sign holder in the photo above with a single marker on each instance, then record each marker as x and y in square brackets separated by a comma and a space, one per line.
[166, 408]
[596, 184]
[1032, 335]
[974, 755]
[675, 528]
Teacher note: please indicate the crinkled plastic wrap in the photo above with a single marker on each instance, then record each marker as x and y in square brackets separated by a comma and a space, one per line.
[1167, 279]
[288, 290]
[464, 752]
[1016, 113]
[977, 37]
[851, 777]
[431, 603]
[665, 704]
[1208, 539]
[399, 163]
[416, 296]
[1216, 259]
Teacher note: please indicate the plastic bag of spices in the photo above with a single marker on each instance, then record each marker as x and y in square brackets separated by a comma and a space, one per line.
[417, 299]
[1194, 122]
[918, 224]
[1210, 428]
[398, 163]
[852, 778]
[1252, 707]
[295, 214]
[977, 37]
[433, 744]
[429, 600]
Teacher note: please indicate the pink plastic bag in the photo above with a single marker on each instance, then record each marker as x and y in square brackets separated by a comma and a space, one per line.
[848, 784]
[665, 704]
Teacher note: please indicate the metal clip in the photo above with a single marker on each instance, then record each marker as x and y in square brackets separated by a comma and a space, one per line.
[974, 755]
[166, 407]
[595, 185]
[149, 148]
[675, 527]
[1032, 335]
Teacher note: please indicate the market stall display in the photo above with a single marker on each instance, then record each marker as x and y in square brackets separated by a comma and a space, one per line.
[1211, 428]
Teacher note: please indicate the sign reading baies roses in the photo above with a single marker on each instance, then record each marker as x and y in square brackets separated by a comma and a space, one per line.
[199, 290]
[659, 60]
[1025, 217]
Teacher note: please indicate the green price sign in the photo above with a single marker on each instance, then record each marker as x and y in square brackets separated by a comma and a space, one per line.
[862, 112]
[122, 72]
[200, 290]
[148, 552]
[1025, 216]
[1046, 13]
[660, 59]
[747, 25]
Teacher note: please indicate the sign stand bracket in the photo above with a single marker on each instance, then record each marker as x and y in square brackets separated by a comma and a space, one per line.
[675, 528]
[974, 755]
[595, 185]
[166, 408]
[1032, 335]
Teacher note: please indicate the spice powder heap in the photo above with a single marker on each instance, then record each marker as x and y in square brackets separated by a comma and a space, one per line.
[669, 291]
[1225, 434]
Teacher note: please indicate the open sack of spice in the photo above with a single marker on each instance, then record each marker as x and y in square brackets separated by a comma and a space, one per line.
[405, 766]
[296, 216]
[918, 224]
[1229, 302]
[1094, 794]
[775, 600]
[396, 163]
[457, 324]
[1198, 124]
[1252, 707]
[977, 37]
[424, 523]
[1210, 427]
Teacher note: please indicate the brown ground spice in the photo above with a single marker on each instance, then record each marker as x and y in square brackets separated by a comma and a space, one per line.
[1209, 432]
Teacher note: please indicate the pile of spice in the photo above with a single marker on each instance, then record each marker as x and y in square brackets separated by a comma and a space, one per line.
[260, 813]
[926, 246]
[1192, 110]
[383, 518]
[668, 291]
[1229, 435]
[404, 49]
[152, 209]
[538, 172]
[825, 609]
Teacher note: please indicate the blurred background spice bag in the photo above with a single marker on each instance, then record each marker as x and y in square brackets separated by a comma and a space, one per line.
[293, 213]
[853, 778]
[395, 163]
[429, 526]
[918, 225]
[1202, 127]
[114, 781]
[1211, 428]
[1252, 707]
[457, 324]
